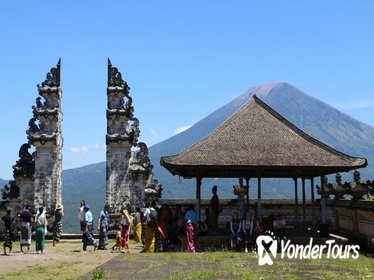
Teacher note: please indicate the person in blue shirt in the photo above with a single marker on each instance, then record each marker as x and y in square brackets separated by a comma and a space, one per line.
[103, 228]
[88, 239]
[191, 220]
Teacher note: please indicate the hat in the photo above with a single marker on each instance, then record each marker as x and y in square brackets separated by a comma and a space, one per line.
[59, 206]
[86, 207]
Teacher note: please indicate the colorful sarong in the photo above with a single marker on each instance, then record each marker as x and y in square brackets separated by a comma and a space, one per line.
[25, 237]
[138, 232]
[149, 239]
[8, 238]
[103, 235]
[87, 237]
[190, 238]
[57, 230]
[125, 236]
[40, 238]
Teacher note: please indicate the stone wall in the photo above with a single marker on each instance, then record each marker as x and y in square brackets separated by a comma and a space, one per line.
[352, 219]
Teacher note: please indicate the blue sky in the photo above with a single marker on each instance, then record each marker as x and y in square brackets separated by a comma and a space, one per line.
[182, 60]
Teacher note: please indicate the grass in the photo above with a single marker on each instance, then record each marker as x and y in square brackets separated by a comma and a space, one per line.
[204, 265]
[230, 265]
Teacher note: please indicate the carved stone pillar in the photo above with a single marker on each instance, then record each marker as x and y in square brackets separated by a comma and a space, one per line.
[45, 134]
[122, 135]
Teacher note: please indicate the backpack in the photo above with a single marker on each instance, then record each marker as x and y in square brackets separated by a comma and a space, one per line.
[152, 218]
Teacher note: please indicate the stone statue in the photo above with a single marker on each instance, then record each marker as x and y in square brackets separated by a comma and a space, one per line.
[25, 166]
[10, 192]
[33, 128]
[134, 133]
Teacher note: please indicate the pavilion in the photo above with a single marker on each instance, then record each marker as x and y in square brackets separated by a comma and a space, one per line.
[257, 142]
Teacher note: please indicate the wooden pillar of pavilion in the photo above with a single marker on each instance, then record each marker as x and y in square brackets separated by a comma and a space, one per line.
[198, 197]
[303, 193]
[323, 201]
[324, 229]
[312, 200]
[259, 197]
[247, 194]
[296, 201]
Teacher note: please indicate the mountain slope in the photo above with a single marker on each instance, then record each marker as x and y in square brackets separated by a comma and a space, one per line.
[3, 182]
[87, 183]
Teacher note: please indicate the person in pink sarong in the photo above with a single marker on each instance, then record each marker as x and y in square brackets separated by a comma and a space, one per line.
[191, 221]
[126, 228]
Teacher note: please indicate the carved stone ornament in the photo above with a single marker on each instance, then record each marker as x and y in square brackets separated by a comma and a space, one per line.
[25, 166]
[10, 192]
[53, 76]
[115, 78]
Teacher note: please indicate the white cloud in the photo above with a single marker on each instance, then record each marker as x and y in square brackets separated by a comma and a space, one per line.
[77, 150]
[181, 129]
[97, 148]
[154, 133]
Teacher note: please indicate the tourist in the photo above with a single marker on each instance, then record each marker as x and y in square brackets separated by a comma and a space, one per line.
[8, 221]
[119, 239]
[25, 237]
[57, 224]
[167, 215]
[235, 230]
[126, 228]
[177, 229]
[191, 221]
[257, 228]
[215, 209]
[103, 226]
[138, 225]
[247, 227]
[279, 226]
[81, 215]
[150, 215]
[41, 229]
[144, 223]
[87, 236]
[160, 232]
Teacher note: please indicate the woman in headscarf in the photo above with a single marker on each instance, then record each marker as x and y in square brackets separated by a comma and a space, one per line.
[103, 228]
[40, 225]
[57, 223]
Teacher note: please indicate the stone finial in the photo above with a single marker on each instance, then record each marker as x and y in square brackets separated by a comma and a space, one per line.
[356, 176]
[53, 78]
[338, 178]
[115, 78]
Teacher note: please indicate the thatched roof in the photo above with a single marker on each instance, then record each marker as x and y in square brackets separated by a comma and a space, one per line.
[258, 142]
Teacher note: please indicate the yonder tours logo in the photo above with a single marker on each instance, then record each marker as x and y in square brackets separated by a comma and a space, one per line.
[267, 248]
